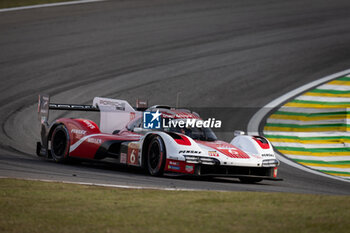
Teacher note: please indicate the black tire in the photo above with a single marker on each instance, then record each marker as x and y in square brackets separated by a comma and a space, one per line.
[60, 144]
[156, 156]
[248, 180]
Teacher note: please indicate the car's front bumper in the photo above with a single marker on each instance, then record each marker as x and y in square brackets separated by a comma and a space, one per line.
[199, 169]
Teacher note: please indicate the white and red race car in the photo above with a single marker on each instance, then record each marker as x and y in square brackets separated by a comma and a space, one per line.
[180, 148]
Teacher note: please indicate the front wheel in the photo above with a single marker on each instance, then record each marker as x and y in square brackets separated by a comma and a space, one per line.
[156, 156]
[60, 144]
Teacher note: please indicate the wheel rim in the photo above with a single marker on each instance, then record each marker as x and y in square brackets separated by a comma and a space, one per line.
[59, 143]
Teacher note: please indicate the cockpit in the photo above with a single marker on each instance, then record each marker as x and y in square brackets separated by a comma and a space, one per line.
[189, 127]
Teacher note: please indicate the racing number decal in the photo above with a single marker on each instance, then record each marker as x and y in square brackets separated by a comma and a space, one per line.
[133, 154]
[132, 157]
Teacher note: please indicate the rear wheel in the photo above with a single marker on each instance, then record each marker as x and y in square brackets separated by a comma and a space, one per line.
[156, 156]
[60, 144]
[248, 180]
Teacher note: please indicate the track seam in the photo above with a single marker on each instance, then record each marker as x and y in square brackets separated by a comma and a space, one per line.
[48, 5]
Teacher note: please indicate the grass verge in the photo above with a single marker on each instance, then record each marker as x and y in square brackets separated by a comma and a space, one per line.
[17, 3]
[32, 206]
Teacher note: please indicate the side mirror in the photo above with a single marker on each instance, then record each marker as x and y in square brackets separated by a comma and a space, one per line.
[238, 132]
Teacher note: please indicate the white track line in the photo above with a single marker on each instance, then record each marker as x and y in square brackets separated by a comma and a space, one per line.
[253, 125]
[109, 185]
[48, 5]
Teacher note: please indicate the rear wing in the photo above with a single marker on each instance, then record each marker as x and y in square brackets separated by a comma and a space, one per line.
[44, 107]
[114, 113]
[75, 107]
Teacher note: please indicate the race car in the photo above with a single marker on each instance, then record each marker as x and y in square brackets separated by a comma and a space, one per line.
[177, 144]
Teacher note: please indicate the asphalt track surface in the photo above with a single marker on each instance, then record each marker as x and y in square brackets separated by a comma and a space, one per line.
[219, 53]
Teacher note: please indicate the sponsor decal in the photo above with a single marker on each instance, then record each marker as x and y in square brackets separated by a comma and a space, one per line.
[123, 157]
[157, 120]
[226, 147]
[179, 166]
[267, 155]
[174, 163]
[256, 156]
[94, 140]
[189, 152]
[213, 153]
[117, 105]
[151, 120]
[173, 167]
[168, 115]
[78, 131]
[192, 123]
[231, 153]
[132, 116]
[189, 168]
[88, 124]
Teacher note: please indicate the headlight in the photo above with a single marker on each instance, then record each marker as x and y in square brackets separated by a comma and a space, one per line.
[201, 160]
[270, 163]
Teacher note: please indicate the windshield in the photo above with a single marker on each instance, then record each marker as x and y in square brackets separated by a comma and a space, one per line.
[204, 134]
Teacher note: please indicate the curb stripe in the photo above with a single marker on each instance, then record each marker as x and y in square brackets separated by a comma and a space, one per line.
[336, 173]
[327, 94]
[307, 126]
[330, 91]
[322, 99]
[318, 158]
[346, 78]
[345, 162]
[308, 134]
[320, 154]
[332, 169]
[310, 145]
[312, 110]
[315, 150]
[273, 137]
[306, 106]
[308, 141]
[345, 166]
[340, 113]
[334, 87]
[307, 122]
[305, 129]
[339, 82]
[309, 118]
[320, 102]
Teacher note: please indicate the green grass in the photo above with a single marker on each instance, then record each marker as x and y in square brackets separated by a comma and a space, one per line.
[17, 3]
[31, 206]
